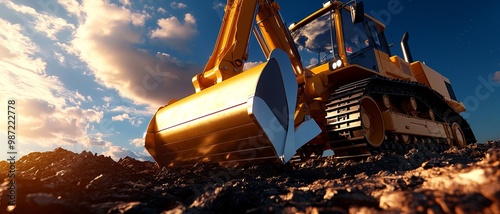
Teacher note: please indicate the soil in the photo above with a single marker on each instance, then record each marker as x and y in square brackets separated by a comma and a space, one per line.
[419, 180]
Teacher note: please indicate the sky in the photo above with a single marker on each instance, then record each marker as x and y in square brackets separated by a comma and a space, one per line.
[90, 74]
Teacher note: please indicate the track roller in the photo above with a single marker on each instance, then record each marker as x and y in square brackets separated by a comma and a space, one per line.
[372, 121]
[458, 135]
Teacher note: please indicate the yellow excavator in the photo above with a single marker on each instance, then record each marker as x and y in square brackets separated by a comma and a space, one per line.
[329, 86]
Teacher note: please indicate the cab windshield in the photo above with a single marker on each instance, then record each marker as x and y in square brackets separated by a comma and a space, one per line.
[316, 41]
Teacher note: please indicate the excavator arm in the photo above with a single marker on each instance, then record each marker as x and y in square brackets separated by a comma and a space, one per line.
[230, 51]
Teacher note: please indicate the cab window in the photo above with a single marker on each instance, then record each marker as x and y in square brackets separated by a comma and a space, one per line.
[377, 34]
[316, 41]
[355, 38]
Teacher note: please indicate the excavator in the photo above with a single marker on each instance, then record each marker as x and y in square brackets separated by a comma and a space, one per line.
[329, 86]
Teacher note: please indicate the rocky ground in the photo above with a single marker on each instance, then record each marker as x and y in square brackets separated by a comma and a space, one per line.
[465, 180]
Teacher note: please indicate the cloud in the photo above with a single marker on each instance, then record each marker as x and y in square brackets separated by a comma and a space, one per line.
[51, 115]
[309, 36]
[72, 6]
[117, 152]
[105, 41]
[125, 2]
[162, 10]
[216, 5]
[496, 76]
[121, 117]
[178, 5]
[17, 50]
[24, 76]
[249, 65]
[59, 57]
[133, 110]
[45, 121]
[135, 121]
[175, 33]
[43, 23]
[138, 19]
[137, 142]
[96, 140]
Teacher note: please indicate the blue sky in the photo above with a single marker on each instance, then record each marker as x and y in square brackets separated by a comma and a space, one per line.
[89, 74]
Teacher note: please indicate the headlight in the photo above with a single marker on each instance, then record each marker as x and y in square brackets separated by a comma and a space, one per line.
[339, 63]
[335, 63]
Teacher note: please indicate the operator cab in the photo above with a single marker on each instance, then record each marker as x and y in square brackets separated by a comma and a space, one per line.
[318, 36]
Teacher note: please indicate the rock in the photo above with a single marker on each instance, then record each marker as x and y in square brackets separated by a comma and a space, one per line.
[459, 180]
[132, 207]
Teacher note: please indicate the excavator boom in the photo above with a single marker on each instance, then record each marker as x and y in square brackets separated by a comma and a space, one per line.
[230, 51]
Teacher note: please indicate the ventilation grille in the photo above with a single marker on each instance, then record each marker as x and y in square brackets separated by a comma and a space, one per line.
[405, 67]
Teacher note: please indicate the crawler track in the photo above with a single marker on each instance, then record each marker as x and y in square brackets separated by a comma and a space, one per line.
[344, 124]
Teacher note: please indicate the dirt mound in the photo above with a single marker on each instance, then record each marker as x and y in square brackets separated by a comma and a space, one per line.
[465, 180]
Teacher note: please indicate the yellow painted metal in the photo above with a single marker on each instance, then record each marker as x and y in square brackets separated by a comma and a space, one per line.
[339, 30]
[212, 125]
[457, 106]
[404, 124]
[247, 118]
[428, 75]
[458, 135]
[276, 34]
[230, 50]
[372, 121]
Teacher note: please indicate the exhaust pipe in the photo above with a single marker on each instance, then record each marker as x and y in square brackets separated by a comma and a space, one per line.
[406, 48]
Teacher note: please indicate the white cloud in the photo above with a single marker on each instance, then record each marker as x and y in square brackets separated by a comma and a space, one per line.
[249, 65]
[138, 19]
[137, 142]
[162, 10]
[105, 40]
[117, 152]
[95, 140]
[133, 110]
[59, 57]
[121, 117]
[50, 116]
[68, 48]
[218, 5]
[44, 23]
[496, 76]
[178, 5]
[174, 32]
[72, 6]
[125, 2]
[17, 50]
[79, 96]
[135, 121]
[55, 125]
[23, 75]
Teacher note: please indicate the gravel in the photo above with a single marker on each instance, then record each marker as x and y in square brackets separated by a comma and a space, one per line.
[465, 180]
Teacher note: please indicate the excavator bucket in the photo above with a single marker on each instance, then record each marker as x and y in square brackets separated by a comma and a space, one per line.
[247, 118]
